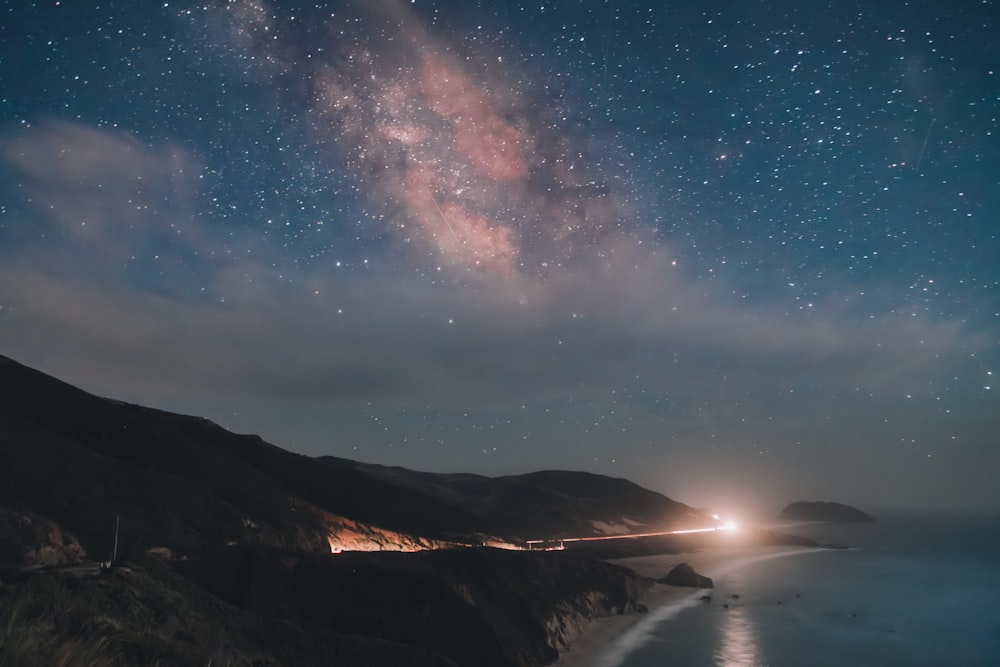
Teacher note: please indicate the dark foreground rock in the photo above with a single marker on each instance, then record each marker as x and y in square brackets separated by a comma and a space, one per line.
[684, 575]
[266, 606]
[134, 615]
[474, 606]
[31, 541]
[823, 511]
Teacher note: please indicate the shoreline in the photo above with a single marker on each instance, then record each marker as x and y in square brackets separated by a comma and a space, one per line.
[607, 640]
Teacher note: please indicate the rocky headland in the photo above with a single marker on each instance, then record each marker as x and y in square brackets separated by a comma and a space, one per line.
[130, 535]
[823, 511]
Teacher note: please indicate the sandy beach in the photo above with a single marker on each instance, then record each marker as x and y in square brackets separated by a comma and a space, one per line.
[604, 637]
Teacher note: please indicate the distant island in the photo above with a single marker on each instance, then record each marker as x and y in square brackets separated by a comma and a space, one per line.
[823, 511]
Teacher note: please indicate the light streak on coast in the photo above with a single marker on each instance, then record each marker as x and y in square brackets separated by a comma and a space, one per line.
[534, 544]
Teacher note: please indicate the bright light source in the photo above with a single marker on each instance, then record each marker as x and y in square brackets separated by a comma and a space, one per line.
[731, 526]
[715, 516]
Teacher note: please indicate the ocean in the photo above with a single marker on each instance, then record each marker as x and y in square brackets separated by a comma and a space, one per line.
[911, 591]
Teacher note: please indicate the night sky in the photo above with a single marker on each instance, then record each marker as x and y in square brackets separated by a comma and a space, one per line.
[740, 253]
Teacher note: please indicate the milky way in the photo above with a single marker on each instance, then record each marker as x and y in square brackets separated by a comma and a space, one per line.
[472, 170]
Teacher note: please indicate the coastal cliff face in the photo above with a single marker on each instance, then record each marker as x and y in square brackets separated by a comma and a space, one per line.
[234, 551]
[264, 606]
[186, 484]
[149, 615]
[474, 606]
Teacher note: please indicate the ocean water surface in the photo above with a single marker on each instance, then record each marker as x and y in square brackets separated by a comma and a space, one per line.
[913, 591]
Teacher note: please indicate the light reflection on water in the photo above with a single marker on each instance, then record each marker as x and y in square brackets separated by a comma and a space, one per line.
[867, 607]
[738, 646]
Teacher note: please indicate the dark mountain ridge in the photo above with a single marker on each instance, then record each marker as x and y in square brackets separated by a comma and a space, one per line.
[178, 481]
[224, 550]
[185, 483]
[548, 503]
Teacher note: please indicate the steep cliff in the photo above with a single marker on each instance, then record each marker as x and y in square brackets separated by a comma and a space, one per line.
[474, 606]
[234, 551]
[264, 606]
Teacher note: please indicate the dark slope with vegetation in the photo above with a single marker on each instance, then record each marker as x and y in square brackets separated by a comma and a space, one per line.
[178, 481]
[185, 483]
[149, 615]
[549, 503]
[225, 540]
[476, 606]
[251, 605]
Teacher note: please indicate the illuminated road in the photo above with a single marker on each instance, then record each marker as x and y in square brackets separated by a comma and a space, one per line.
[561, 542]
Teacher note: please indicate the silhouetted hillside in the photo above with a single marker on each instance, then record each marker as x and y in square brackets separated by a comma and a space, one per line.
[181, 482]
[150, 615]
[550, 503]
[225, 547]
[187, 484]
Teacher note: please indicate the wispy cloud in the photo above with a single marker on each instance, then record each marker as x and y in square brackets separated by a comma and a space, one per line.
[110, 274]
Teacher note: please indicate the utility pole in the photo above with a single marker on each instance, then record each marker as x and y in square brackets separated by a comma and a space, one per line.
[114, 554]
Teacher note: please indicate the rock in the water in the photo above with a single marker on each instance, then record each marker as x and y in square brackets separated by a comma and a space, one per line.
[684, 575]
[823, 511]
